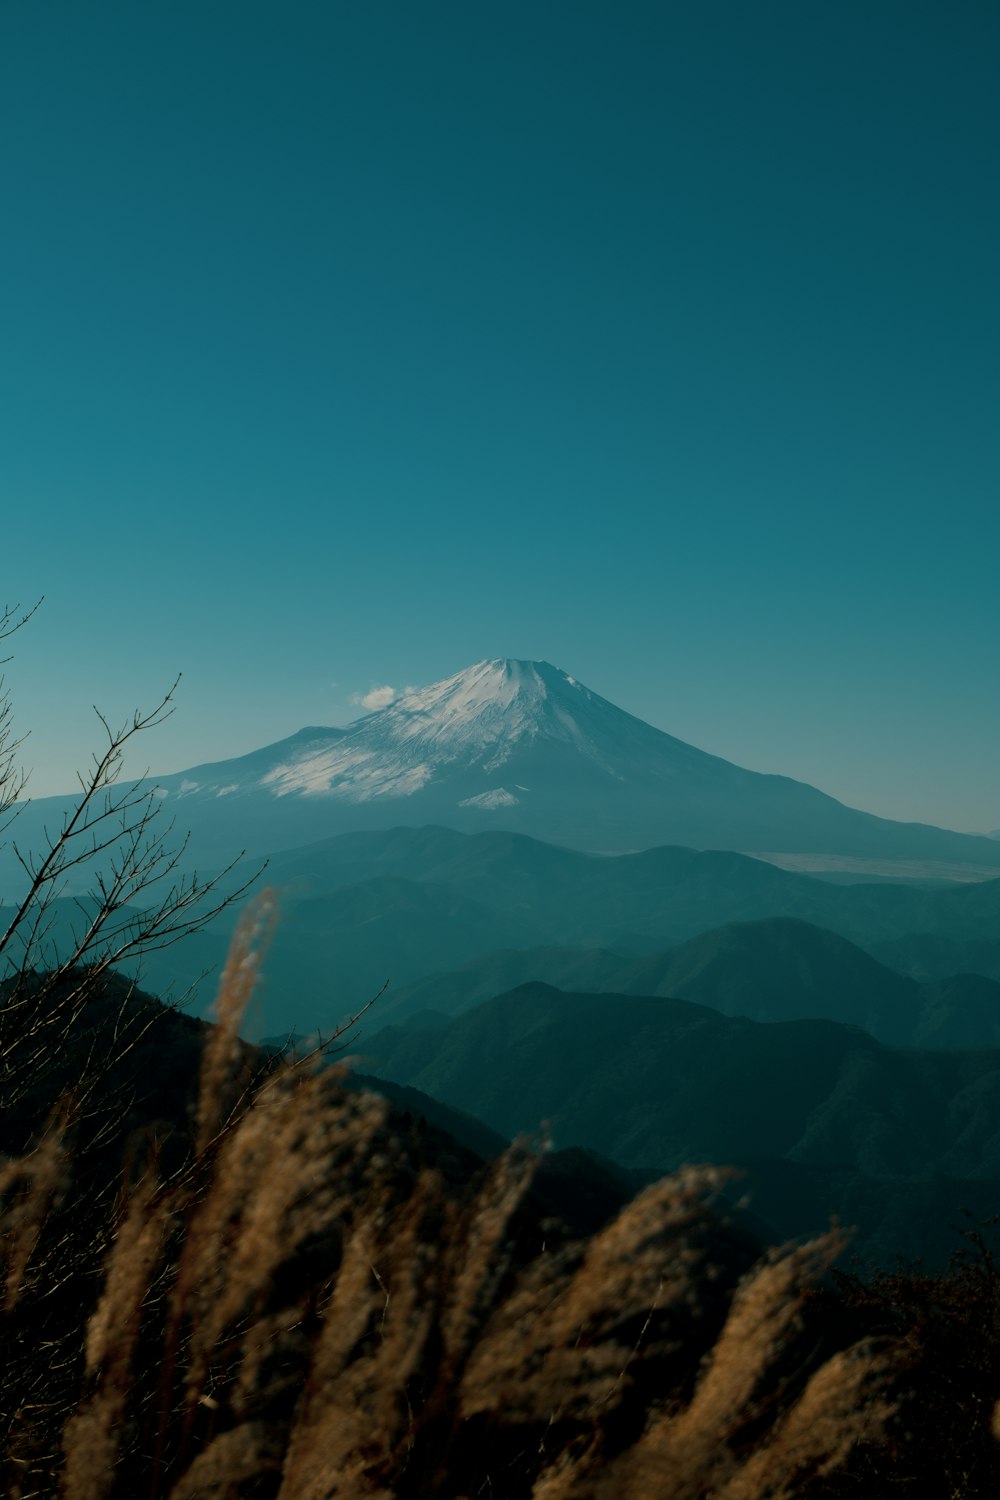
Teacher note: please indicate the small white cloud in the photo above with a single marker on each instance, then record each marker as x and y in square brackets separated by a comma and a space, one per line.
[376, 697]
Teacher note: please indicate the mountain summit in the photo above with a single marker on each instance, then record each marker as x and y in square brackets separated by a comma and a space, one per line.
[523, 746]
[495, 717]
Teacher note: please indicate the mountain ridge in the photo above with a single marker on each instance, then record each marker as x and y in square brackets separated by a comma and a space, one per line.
[523, 747]
[883, 1133]
[773, 969]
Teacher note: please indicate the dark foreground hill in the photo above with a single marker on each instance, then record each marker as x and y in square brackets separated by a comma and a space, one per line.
[824, 1118]
[255, 1282]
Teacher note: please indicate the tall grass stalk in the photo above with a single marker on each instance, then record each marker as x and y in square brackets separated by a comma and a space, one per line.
[318, 1301]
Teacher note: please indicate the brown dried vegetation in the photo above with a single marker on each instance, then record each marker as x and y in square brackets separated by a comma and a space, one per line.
[310, 1298]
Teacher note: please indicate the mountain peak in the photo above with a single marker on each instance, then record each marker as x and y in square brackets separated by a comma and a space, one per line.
[521, 744]
[503, 677]
[493, 687]
[481, 713]
[472, 723]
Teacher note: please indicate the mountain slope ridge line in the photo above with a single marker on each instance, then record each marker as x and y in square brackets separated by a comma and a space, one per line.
[524, 747]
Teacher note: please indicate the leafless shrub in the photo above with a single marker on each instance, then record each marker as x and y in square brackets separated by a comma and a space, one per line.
[116, 845]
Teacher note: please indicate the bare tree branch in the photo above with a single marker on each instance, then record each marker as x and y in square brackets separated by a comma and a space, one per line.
[139, 898]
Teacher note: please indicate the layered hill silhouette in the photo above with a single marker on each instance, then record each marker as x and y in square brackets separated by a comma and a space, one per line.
[523, 746]
[823, 1118]
[628, 905]
[363, 909]
[779, 969]
[652, 1082]
[666, 893]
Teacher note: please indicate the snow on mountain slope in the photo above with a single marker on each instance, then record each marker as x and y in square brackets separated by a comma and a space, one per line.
[480, 718]
[523, 746]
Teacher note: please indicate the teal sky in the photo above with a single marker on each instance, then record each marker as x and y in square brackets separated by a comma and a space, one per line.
[345, 344]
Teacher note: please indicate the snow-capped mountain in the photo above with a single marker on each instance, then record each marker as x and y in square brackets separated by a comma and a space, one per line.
[524, 746]
[484, 721]
[479, 739]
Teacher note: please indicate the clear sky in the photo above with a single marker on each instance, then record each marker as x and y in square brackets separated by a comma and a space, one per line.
[347, 342]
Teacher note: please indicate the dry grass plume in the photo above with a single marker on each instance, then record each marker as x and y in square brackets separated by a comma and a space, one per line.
[311, 1302]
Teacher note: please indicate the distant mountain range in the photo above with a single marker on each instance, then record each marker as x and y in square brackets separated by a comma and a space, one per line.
[822, 1117]
[656, 896]
[391, 902]
[779, 969]
[653, 1082]
[523, 746]
[413, 906]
